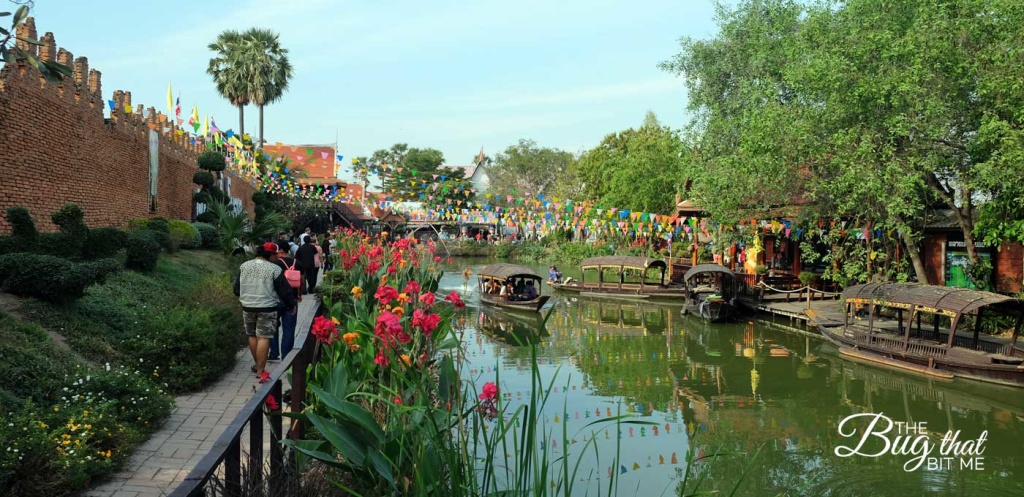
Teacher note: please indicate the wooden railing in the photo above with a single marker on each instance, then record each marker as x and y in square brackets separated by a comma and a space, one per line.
[224, 461]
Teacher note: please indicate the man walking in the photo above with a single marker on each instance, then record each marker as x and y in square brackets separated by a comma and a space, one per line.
[286, 316]
[260, 286]
[306, 255]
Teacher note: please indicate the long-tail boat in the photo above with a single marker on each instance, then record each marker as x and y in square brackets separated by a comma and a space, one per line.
[949, 344]
[711, 291]
[629, 279]
[504, 274]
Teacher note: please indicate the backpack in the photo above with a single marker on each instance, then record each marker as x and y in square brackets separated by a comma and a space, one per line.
[293, 276]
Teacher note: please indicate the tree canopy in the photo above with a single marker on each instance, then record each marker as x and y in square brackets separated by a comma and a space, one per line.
[865, 109]
[636, 169]
[528, 168]
[408, 174]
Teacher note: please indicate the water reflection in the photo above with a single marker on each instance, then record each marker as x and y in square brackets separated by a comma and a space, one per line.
[734, 388]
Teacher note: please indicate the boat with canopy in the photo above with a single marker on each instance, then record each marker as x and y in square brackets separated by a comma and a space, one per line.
[711, 291]
[526, 285]
[631, 277]
[934, 330]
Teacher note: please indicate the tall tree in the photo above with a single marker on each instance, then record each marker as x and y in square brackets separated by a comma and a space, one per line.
[229, 73]
[636, 169]
[268, 68]
[871, 109]
[527, 168]
[408, 174]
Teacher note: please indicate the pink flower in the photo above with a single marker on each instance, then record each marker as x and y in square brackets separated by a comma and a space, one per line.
[381, 359]
[392, 269]
[437, 258]
[272, 404]
[385, 294]
[455, 300]
[324, 330]
[373, 267]
[489, 392]
[425, 321]
[427, 299]
[412, 287]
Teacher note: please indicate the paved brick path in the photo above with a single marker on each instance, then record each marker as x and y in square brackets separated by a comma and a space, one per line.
[159, 464]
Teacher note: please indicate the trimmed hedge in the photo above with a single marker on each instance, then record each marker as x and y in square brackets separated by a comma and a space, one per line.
[50, 278]
[22, 225]
[208, 235]
[142, 250]
[185, 235]
[104, 242]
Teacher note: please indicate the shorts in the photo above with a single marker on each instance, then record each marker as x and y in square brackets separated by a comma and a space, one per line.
[260, 324]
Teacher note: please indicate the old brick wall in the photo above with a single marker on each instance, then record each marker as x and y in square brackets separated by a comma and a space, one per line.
[57, 147]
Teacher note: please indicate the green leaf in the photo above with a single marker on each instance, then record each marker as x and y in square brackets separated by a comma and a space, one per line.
[382, 466]
[352, 412]
[344, 443]
[20, 15]
[33, 41]
[337, 382]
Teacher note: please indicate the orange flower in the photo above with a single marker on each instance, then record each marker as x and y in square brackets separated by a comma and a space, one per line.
[398, 311]
[350, 337]
[405, 359]
[402, 263]
[404, 298]
[357, 292]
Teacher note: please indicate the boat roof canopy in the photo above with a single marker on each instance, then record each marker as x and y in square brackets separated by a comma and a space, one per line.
[633, 262]
[707, 268]
[505, 271]
[935, 299]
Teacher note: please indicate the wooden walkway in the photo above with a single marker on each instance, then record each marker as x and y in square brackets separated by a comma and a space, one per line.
[163, 461]
[818, 311]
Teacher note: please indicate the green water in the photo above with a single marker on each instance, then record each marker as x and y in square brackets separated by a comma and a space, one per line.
[732, 389]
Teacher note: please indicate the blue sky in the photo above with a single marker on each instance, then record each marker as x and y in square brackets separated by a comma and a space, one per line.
[453, 75]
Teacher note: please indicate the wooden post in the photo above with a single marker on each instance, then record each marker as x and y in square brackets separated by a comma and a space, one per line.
[977, 328]
[256, 448]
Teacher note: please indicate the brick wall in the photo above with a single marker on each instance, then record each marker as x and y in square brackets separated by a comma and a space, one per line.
[57, 147]
[1009, 268]
[932, 256]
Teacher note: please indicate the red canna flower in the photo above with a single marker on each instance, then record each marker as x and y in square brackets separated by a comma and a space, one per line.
[455, 300]
[489, 392]
[272, 404]
[412, 287]
[324, 330]
[385, 294]
[427, 299]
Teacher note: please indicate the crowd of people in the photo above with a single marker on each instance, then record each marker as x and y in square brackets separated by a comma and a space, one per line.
[270, 286]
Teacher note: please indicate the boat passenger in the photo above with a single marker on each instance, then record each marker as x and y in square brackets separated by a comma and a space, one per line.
[530, 292]
[554, 275]
[505, 290]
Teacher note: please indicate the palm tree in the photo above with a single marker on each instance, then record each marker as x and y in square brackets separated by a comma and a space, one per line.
[267, 64]
[229, 72]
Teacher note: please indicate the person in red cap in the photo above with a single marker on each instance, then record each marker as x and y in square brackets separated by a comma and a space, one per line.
[260, 286]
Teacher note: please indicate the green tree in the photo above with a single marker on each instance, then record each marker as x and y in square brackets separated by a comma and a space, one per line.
[872, 110]
[407, 173]
[229, 74]
[636, 169]
[528, 168]
[268, 68]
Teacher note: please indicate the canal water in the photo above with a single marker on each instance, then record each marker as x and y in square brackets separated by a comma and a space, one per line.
[730, 391]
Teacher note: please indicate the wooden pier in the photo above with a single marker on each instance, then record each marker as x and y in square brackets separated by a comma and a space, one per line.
[810, 313]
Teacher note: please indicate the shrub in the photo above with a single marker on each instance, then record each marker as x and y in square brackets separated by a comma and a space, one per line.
[203, 178]
[191, 345]
[97, 271]
[159, 224]
[143, 250]
[45, 277]
[211, 161]
[207, 217]
[185, 235]
[59, 245]
[10, 245]
[22, 225]
[208, 234]
[104, 242]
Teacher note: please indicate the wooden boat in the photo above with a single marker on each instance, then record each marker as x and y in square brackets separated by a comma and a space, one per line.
[512, 328]
[951, 345]
[503, 273]
[617, 286]
[711, 292]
